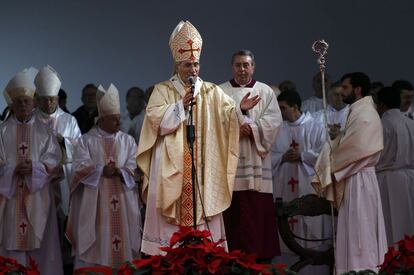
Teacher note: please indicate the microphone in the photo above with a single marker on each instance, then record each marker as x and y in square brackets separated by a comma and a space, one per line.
[192, 80]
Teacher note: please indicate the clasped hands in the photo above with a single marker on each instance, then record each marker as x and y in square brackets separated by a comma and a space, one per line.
[291, 155]
[334, 130]
[24, 168]
[110, 170]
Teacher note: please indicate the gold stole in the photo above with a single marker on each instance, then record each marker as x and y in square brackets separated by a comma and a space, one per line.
[24, 230]
[186, 200]
[112, 187]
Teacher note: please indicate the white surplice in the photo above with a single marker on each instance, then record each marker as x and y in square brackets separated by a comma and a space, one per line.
[333, 116]
[64, 124]
[104, 224]
[254, 167]
[395, 173]
[292, 179]
[132, 126]
[312, 104]
[28, 223]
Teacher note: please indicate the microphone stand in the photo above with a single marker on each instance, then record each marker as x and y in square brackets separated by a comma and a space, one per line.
[190, 141]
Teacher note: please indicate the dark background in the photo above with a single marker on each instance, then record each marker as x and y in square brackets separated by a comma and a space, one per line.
[126, 42]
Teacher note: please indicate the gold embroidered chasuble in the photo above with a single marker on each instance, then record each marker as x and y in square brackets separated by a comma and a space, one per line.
[216, 154]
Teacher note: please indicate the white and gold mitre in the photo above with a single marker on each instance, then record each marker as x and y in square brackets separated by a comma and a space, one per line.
[21, 84]
[47, 82]
[108, 101]
[185, 42]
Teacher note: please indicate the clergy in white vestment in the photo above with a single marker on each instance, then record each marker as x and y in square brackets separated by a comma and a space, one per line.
[104, 225]
[28, 155]
[336, 112]
[62, 125]
[406, 90]
[252, 209]
[345, 174]
[293, 158]
[133, 116]
[164, 156]
[395, 168]
[315, 102]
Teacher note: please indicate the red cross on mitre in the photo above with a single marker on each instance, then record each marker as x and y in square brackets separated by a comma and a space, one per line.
[116, 243]
[23, 148]
[23, 226]
[294, 145]
[114, 203]
[292, 221]
[111, 161]
[292, 182]
[191, 50]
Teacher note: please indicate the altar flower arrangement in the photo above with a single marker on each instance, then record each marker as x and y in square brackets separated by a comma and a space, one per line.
[192, 252]
[9, 266]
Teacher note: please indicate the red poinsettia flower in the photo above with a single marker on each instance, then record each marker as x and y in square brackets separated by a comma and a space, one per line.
[193, 251]
[188, 233]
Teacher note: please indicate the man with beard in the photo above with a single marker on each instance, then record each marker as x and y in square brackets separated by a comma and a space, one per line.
[345, 174]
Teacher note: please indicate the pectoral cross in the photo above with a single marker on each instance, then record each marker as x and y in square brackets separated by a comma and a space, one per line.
[294, 145]
[292, 182]
[189, 42]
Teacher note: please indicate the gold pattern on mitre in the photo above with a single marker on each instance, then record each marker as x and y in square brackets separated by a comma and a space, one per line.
[108, 101]
[185, 42]
[21, 84]
[47, 82]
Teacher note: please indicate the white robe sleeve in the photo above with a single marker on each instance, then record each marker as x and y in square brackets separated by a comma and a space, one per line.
[71, 138]
[82, 160]
[172, 118]
[266, 127]
[130, 166]
[315, 140]
[7, 185]
[38, 178]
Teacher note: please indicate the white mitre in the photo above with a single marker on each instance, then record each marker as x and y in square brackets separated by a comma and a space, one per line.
[185, 42]
[21, 84]
[108, 101]
[47, 82]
